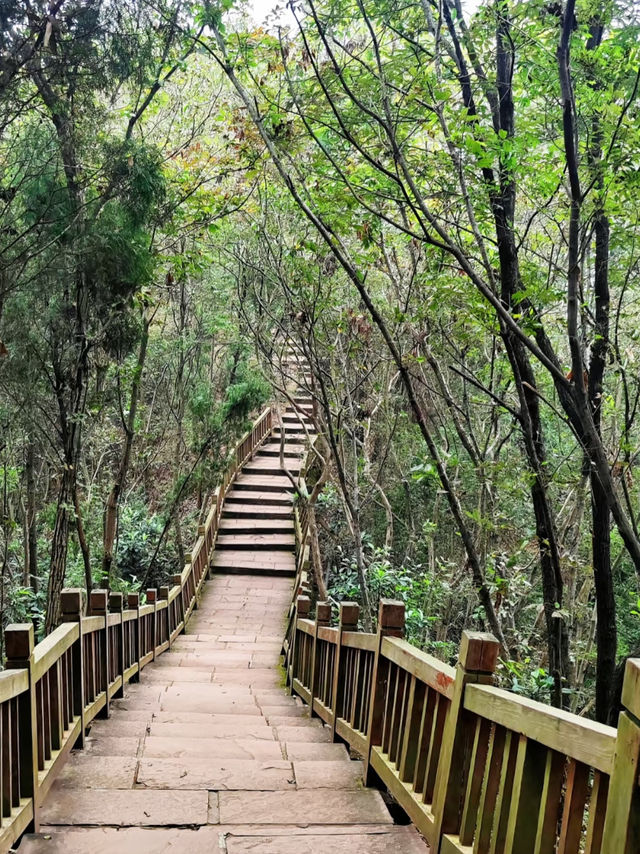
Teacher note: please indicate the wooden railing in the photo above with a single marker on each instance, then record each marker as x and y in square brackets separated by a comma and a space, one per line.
[49, 693]
[479, 770]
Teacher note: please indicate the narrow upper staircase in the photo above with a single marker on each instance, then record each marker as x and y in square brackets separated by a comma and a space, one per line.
[256, 533]
[208, 753]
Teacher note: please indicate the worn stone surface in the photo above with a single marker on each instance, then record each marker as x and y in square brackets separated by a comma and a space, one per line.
[329, 774]
[214, 773]
[224, 748]
[107, 840]
[303, 808]
[128, 809]
[98, 772]
[398, 839]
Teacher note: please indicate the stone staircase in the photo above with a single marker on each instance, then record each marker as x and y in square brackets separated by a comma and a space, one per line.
[208, 753]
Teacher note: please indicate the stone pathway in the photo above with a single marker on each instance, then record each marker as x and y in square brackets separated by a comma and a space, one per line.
[208, 754]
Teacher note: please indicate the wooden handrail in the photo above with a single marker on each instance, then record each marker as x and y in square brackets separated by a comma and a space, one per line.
[479, 770]
[49, 693]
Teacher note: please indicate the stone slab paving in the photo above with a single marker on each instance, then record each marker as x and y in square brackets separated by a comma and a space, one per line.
[209, 754]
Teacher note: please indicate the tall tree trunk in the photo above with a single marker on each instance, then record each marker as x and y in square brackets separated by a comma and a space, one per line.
[503, 203]
[110, 525]
[59, 547]
[606, 630]
[31, 518]
[82, 539]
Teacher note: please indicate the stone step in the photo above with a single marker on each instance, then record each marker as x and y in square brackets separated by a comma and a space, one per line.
[303, 807]
[278, 563]
[256, 541]
[258, 497]
[211, 773]
[315, 752]
[256, 511]
[265, 465]
[272, 449]
[273, 838]
[294, 417]
[294, 434]
[263, 483]
[158, 747]
[257, 525]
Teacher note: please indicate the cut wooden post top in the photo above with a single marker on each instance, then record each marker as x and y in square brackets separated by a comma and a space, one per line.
[19, 641]
[115, 602]
[303, 604]
[391, 616]
[177, 579]
[201, 530]
[163, 592]
[71, 604]
[478, 651]
[323, 613]
[133, 600]
[152, 595]
[631, 687]
[98, 601]
[349, 616]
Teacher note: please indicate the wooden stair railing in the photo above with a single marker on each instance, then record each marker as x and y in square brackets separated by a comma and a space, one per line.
[51, 691]
[478, 770]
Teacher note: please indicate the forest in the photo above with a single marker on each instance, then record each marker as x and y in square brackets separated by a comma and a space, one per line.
[435, 203]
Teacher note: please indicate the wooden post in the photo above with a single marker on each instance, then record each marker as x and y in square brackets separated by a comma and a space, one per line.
[133, 604]
[177, 580]
[390, 624]
[72, 611]
[303, 607]
[98, 608]
[115, 607]
[622, 820]
[477, 661]
[349, 615]
[323, 618]
[19, 645]
[152, 599]
[163, 596]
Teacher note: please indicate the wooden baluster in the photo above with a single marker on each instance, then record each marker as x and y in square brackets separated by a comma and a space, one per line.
[19, 645]
[56, 721]
[194, 581]
[152, 599]
[177, 580]
[597, 812]
[411, 735]
[621, 833]
[116, 605]
[390, 624]
[72, 602]
[98, 608]
[133, 604]
[323, 618]
[163, 596]
[477, 661]
[6, 761]
[526, 799]
[349, 615]
[303, 606]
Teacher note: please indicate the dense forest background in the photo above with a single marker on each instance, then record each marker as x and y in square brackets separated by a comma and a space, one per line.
[437, 207]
